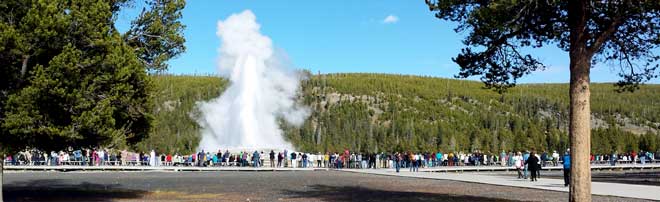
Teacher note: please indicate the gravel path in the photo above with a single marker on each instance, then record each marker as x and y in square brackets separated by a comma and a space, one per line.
[256, 186]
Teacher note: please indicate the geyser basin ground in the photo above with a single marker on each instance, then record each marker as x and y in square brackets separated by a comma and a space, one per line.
[262, 186]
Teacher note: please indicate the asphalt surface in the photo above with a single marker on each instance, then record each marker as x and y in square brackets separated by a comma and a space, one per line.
[257, 186]
[647, 177]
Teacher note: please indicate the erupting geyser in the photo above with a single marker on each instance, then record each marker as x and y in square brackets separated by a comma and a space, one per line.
[261, 90]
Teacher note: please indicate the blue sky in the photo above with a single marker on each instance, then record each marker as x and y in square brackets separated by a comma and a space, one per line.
[383, 36]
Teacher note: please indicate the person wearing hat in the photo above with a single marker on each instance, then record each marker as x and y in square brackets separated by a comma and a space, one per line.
[567, 167]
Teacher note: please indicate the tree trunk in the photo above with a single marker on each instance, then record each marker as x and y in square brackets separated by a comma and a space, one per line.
[580, 112]
[580, 131]
[2, 169]
[24, 65]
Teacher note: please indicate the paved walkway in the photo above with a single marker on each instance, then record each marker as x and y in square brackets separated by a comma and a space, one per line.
[598, 188]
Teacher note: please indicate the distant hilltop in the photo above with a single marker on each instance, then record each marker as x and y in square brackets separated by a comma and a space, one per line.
[384, 112]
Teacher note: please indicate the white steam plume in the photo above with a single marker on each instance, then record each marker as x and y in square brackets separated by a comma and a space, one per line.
[261, 90]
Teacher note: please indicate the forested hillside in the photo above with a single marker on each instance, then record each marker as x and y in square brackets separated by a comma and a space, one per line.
[379, 112]
[175, 98]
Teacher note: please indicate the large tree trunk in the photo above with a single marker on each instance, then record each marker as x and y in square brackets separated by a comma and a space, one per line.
[580, 112]
[580, 130]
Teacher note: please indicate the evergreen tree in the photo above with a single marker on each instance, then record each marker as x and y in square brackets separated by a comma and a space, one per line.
[626, 31]
[70, 79]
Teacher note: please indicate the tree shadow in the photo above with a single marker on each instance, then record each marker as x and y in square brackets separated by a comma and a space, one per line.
[356, 193]
[640, 178]
[58, 190]
[552, 185]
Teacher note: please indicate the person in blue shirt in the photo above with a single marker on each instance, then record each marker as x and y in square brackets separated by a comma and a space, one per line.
[255, 159]
[525, 157]
[567, 167]
[77, 155]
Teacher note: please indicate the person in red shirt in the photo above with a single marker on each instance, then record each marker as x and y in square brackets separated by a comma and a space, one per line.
[345, 157]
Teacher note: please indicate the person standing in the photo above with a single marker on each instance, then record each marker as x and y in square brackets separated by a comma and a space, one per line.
[85, 156]
[200, 158]
[280, 156]
[272, 159]
[262, 157]
[293, 160]
[544, 158]
[152, 158]
[416, 161]
[532, 163]
[518, 163]
[304, 160]
[101, 154]
[286, 158]
[567, 167]
[53, 158]
[397, 161]
[525, 156]
[410, 161]
[255, 159]
[555, 158]
[539, 166]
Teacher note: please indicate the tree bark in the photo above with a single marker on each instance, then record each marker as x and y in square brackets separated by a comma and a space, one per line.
[580, 130]
[580, 111]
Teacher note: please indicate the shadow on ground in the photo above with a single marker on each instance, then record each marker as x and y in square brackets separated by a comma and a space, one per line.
[58, 190]
[640, 178]
[355, 193]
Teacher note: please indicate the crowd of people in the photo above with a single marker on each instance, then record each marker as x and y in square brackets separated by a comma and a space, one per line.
[528, 164]
[346, 159]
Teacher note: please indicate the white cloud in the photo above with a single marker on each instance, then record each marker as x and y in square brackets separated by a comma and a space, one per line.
[391, 19]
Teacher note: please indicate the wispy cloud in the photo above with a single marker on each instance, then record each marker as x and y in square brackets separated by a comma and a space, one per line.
[390, 19]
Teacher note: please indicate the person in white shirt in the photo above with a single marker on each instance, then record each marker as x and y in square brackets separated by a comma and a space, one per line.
[152, 158]
[312, 160]
[538, 170]
[416, 161]
[65, 159]
[518, 163]
[555, 158]
[101, 153]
